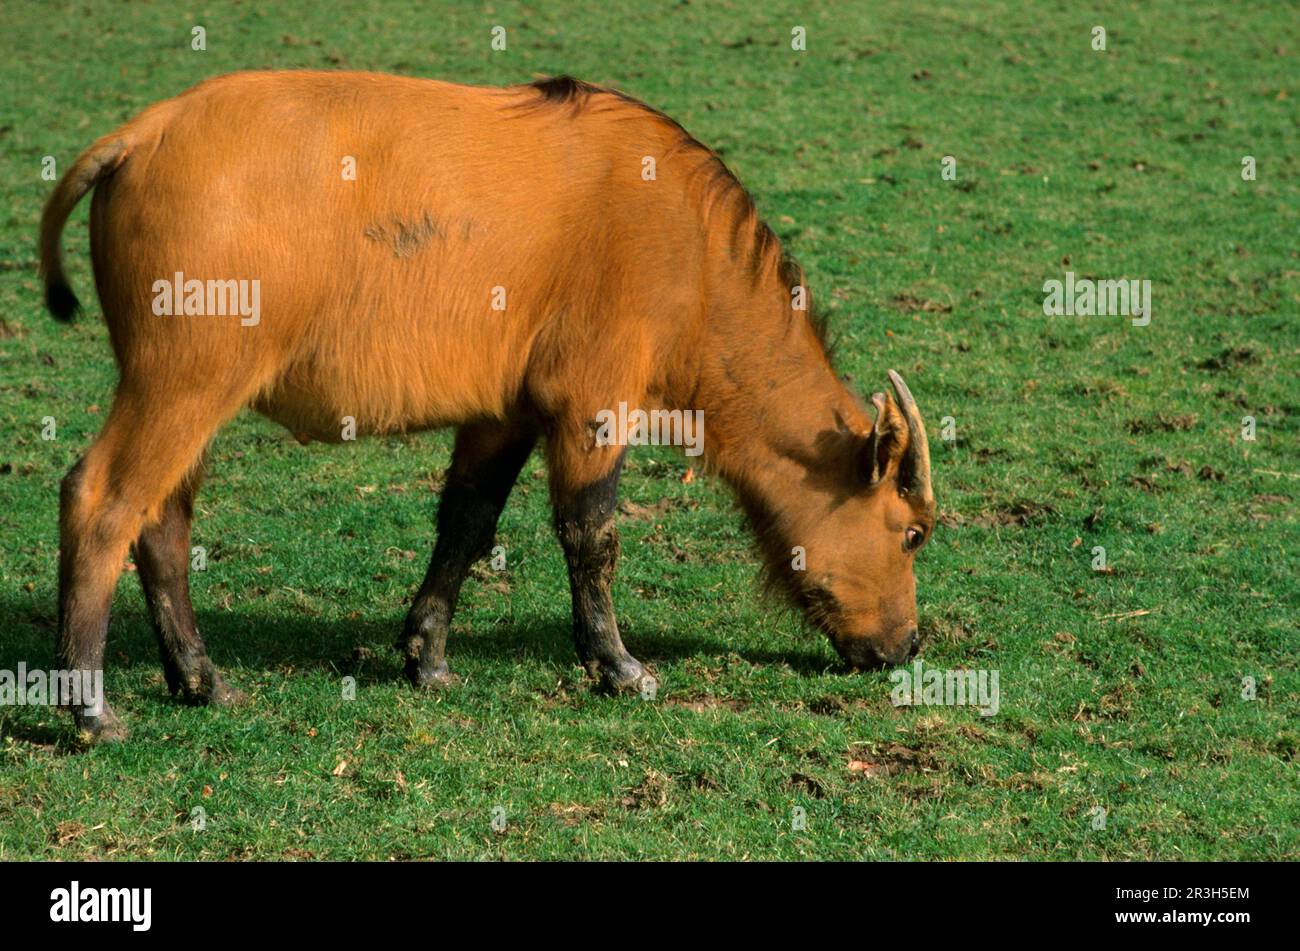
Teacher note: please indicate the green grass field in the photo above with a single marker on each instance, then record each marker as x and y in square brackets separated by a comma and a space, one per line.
[1121, 690]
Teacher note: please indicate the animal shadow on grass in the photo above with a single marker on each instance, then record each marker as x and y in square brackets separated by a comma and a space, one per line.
[249, 644]
[260, 642]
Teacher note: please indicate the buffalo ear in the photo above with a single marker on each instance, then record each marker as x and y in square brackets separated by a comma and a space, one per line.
[886, 444]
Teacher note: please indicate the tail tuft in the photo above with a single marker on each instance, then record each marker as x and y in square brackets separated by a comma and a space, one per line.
[62, 302]
[92, 166]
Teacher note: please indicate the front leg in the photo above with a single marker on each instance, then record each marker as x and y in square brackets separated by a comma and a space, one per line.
[584, 520]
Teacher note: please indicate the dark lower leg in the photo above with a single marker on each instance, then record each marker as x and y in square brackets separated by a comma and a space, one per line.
[162, 555]
[88, 568]
[584, 520]
[484, 466]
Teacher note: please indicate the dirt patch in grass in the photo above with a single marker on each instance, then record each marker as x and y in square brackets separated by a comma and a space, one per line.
[490, 579]
[701, 781]
[806, 785]
[1036, 781]
[873, 761]
[911, 304]
[829, 706]
[1265, 501]
[572, 813]
[1270, 500]
[706, 702]
[650, 793]
[648, 513]
[66, 832]
[1118, 703]
[1229, 359]
[1161, 423]
[1104, 389]
[833, 705]
[946, 630]
[1019, 513]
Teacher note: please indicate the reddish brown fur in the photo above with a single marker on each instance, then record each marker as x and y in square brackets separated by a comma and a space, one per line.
[375, 298]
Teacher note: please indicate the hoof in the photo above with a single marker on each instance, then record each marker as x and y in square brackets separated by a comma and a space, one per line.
[207, 687]
[224, 695]
[104, 728]
[628, 678]
[430, 678]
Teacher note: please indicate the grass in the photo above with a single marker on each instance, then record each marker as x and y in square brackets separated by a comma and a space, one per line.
[1071, 432]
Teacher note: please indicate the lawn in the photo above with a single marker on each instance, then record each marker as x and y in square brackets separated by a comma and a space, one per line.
[1127, 726]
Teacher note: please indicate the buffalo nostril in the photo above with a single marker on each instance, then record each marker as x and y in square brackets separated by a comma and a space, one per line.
[913, 642]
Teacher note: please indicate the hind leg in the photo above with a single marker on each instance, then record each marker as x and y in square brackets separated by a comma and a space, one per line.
[484, 466]
[147, 448]
[162, 554]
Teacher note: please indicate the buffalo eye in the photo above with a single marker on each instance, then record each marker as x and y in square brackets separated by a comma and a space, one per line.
[913, 539]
